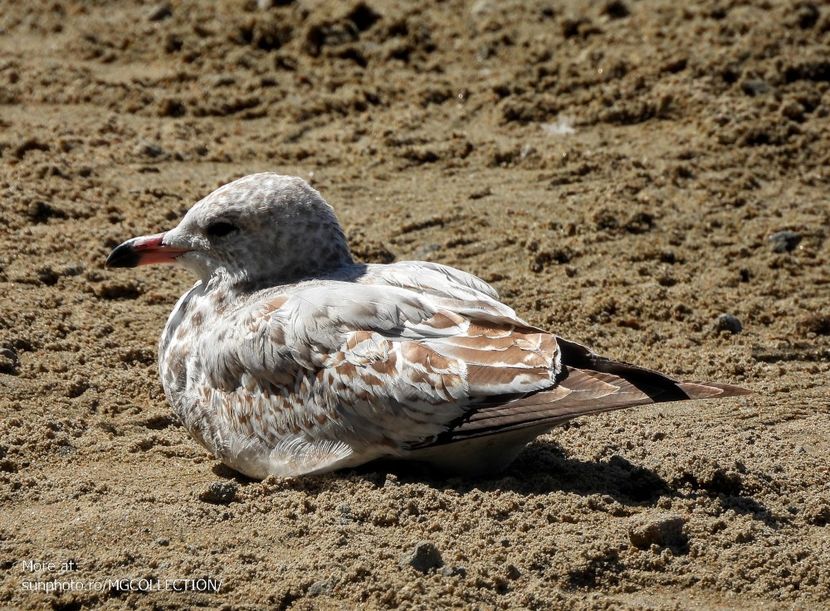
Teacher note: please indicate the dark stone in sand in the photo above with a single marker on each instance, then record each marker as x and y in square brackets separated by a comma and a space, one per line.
[423, 557]
[785, 241]
[727, 322]
[219, 493]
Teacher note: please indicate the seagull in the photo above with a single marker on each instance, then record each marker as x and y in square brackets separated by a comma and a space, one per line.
[288, 357]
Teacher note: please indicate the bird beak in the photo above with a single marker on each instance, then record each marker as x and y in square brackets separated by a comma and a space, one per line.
[145, 250]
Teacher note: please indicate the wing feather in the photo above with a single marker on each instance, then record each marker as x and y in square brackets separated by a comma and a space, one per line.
[385, 361]
[409, 356]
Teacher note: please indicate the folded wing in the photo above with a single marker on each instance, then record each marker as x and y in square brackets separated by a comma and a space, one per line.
[411, 356]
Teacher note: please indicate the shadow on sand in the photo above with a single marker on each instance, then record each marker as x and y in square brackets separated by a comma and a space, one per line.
[541, 468]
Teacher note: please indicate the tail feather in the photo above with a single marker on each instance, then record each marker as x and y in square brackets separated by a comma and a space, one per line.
[711, 390]
[589, 384]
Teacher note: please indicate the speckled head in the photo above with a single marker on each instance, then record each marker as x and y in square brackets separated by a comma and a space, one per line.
[263, 228]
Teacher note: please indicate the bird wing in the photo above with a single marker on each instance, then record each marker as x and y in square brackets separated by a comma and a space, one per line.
[408, 356]
[587, 384]
[387, 361]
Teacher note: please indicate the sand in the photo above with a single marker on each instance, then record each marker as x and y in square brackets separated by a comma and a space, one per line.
[616, 170]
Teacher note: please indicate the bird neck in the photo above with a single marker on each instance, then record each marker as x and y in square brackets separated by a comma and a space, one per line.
[293, 266]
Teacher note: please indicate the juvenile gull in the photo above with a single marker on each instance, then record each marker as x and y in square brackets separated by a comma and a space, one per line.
[287, 357]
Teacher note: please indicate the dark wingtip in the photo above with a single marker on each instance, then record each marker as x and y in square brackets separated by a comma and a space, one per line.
[657, 386]
[123, 255]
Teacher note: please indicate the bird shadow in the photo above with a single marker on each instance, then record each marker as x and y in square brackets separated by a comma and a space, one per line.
[543, 467]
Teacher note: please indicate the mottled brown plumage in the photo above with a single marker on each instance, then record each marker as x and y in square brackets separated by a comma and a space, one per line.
[289, 358]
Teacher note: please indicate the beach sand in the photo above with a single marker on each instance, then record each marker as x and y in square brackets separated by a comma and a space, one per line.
[616, 170]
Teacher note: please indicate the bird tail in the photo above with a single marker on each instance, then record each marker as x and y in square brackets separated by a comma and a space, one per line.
[711, 390]
[657, 386]
[588, 384]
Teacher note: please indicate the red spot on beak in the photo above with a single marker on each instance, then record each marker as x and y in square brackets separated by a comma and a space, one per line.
[146, 250]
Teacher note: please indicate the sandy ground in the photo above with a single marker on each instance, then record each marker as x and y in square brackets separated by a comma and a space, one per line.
[615, 170]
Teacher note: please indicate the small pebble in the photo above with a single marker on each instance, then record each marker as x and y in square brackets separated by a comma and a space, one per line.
[148, 149]
[423, 557]
[219, 493]
[817, 511]
[663, 531]
[46, 275]
[727, 322]
[785, 241]
[451, 571]
[8, 361]
[319, 587]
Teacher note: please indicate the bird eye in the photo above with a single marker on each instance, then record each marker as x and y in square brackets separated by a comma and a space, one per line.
[217, 230]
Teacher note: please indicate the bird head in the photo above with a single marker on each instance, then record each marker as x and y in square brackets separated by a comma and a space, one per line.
[260, 228]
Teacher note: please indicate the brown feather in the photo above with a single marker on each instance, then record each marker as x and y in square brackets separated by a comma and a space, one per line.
[580, 392]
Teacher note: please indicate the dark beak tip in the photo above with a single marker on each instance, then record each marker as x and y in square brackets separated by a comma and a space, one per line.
[123, 255]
